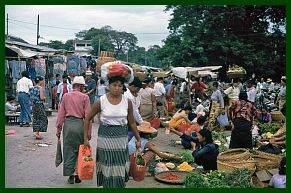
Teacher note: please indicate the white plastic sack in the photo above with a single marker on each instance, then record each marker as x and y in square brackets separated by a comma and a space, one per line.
[222, 119]
[180, 72]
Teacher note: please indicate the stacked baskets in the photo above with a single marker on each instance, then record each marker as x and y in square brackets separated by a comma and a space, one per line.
[235, 158]
[265, 161]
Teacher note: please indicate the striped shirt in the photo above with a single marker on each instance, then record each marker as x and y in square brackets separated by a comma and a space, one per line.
[243, 109]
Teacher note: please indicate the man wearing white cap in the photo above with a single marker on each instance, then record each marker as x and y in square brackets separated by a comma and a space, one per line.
[74, 108]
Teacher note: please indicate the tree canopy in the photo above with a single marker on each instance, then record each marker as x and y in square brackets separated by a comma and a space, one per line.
[249, 36]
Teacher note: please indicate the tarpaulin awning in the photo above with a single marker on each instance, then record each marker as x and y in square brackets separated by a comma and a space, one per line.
[21, 52]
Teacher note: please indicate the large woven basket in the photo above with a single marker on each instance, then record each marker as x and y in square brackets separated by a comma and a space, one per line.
[277, 116]
[264, 163]
[273, 157]
[230, 166]
[231, 155]
[159, 74]
[141, 75]
[103, 60]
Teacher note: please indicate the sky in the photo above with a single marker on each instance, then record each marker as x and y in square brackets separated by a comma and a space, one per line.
[61, 22]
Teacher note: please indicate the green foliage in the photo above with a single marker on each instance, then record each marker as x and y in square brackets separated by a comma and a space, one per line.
[268, 127]
[195, 180]
[239, 178]
[249, 36]
[186, 156]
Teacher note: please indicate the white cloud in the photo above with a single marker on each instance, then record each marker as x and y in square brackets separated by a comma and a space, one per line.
[130, 18]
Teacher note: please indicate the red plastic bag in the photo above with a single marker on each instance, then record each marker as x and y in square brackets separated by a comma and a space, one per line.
[155, 123]
[183, 127]
[117, 69]
[138, 172]
[85, 163]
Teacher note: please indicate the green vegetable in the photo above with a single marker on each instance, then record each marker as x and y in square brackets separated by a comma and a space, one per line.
[186, 156]
[218, 136]
[239, 178]
[222, 148]
[216, 179]
[269, 127]
[195, 180]
[139, 160]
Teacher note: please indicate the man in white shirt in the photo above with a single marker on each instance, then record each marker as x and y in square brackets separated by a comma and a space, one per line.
[23, 87]
[271, 85]
[131, 94]
[64, 87]
[251, 91]
[160, 93]
[233, 91]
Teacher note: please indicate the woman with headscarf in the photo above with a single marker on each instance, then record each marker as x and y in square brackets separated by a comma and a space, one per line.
[242, 113]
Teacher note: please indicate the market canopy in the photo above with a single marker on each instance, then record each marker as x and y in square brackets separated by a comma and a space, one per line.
[21, 52]
[181, 72]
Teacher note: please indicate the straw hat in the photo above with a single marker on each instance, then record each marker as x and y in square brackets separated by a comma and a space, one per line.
[145, 127]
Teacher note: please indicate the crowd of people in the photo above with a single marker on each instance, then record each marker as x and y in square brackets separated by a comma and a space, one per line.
[124, 113]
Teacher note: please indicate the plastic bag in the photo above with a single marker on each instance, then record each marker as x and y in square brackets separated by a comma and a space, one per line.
[59, 155]
[138, 172]
[155, 123]
[222, 119]
[85, 163]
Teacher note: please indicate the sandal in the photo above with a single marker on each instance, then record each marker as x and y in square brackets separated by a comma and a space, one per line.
[38, 137]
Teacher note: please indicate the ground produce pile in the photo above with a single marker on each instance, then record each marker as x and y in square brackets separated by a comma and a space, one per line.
[186, 156]
[171, 176]
[269, 127]
[239, 178]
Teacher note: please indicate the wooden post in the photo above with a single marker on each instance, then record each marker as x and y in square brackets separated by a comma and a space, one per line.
[189, 88]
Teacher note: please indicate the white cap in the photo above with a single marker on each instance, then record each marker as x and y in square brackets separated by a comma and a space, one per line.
[79, 80]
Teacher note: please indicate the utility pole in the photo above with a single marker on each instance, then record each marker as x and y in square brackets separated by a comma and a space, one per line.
[99, 48]
[37, 32]
[7, 27]
[145, 59]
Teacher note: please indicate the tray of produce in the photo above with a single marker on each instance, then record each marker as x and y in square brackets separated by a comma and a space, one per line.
[172, 177]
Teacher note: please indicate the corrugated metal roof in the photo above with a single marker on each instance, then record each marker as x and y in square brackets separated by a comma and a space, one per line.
[39, 48]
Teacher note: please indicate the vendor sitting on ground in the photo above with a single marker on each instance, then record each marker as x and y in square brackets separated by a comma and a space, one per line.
[10, 105]
[263, 116]
[180, 117]
[146, 133]
[206, 154]
[189, 137]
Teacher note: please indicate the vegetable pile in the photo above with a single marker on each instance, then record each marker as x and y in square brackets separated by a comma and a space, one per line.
[269, 127]
[186, 156]
[171, 176]
[239, 178]
[185, 167]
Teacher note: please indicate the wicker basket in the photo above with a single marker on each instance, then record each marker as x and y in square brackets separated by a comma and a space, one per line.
[231, 155]
[141, 75]
[277, 116]
[159, 74]
[103, 60]
[230, 166]
[273, 157]
[264, 163]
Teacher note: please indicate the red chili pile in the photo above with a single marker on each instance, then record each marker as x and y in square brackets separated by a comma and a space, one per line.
[171, 176]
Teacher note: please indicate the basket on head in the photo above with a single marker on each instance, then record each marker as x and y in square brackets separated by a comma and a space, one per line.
[277, 116]
[141, 75]
[239, 154]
